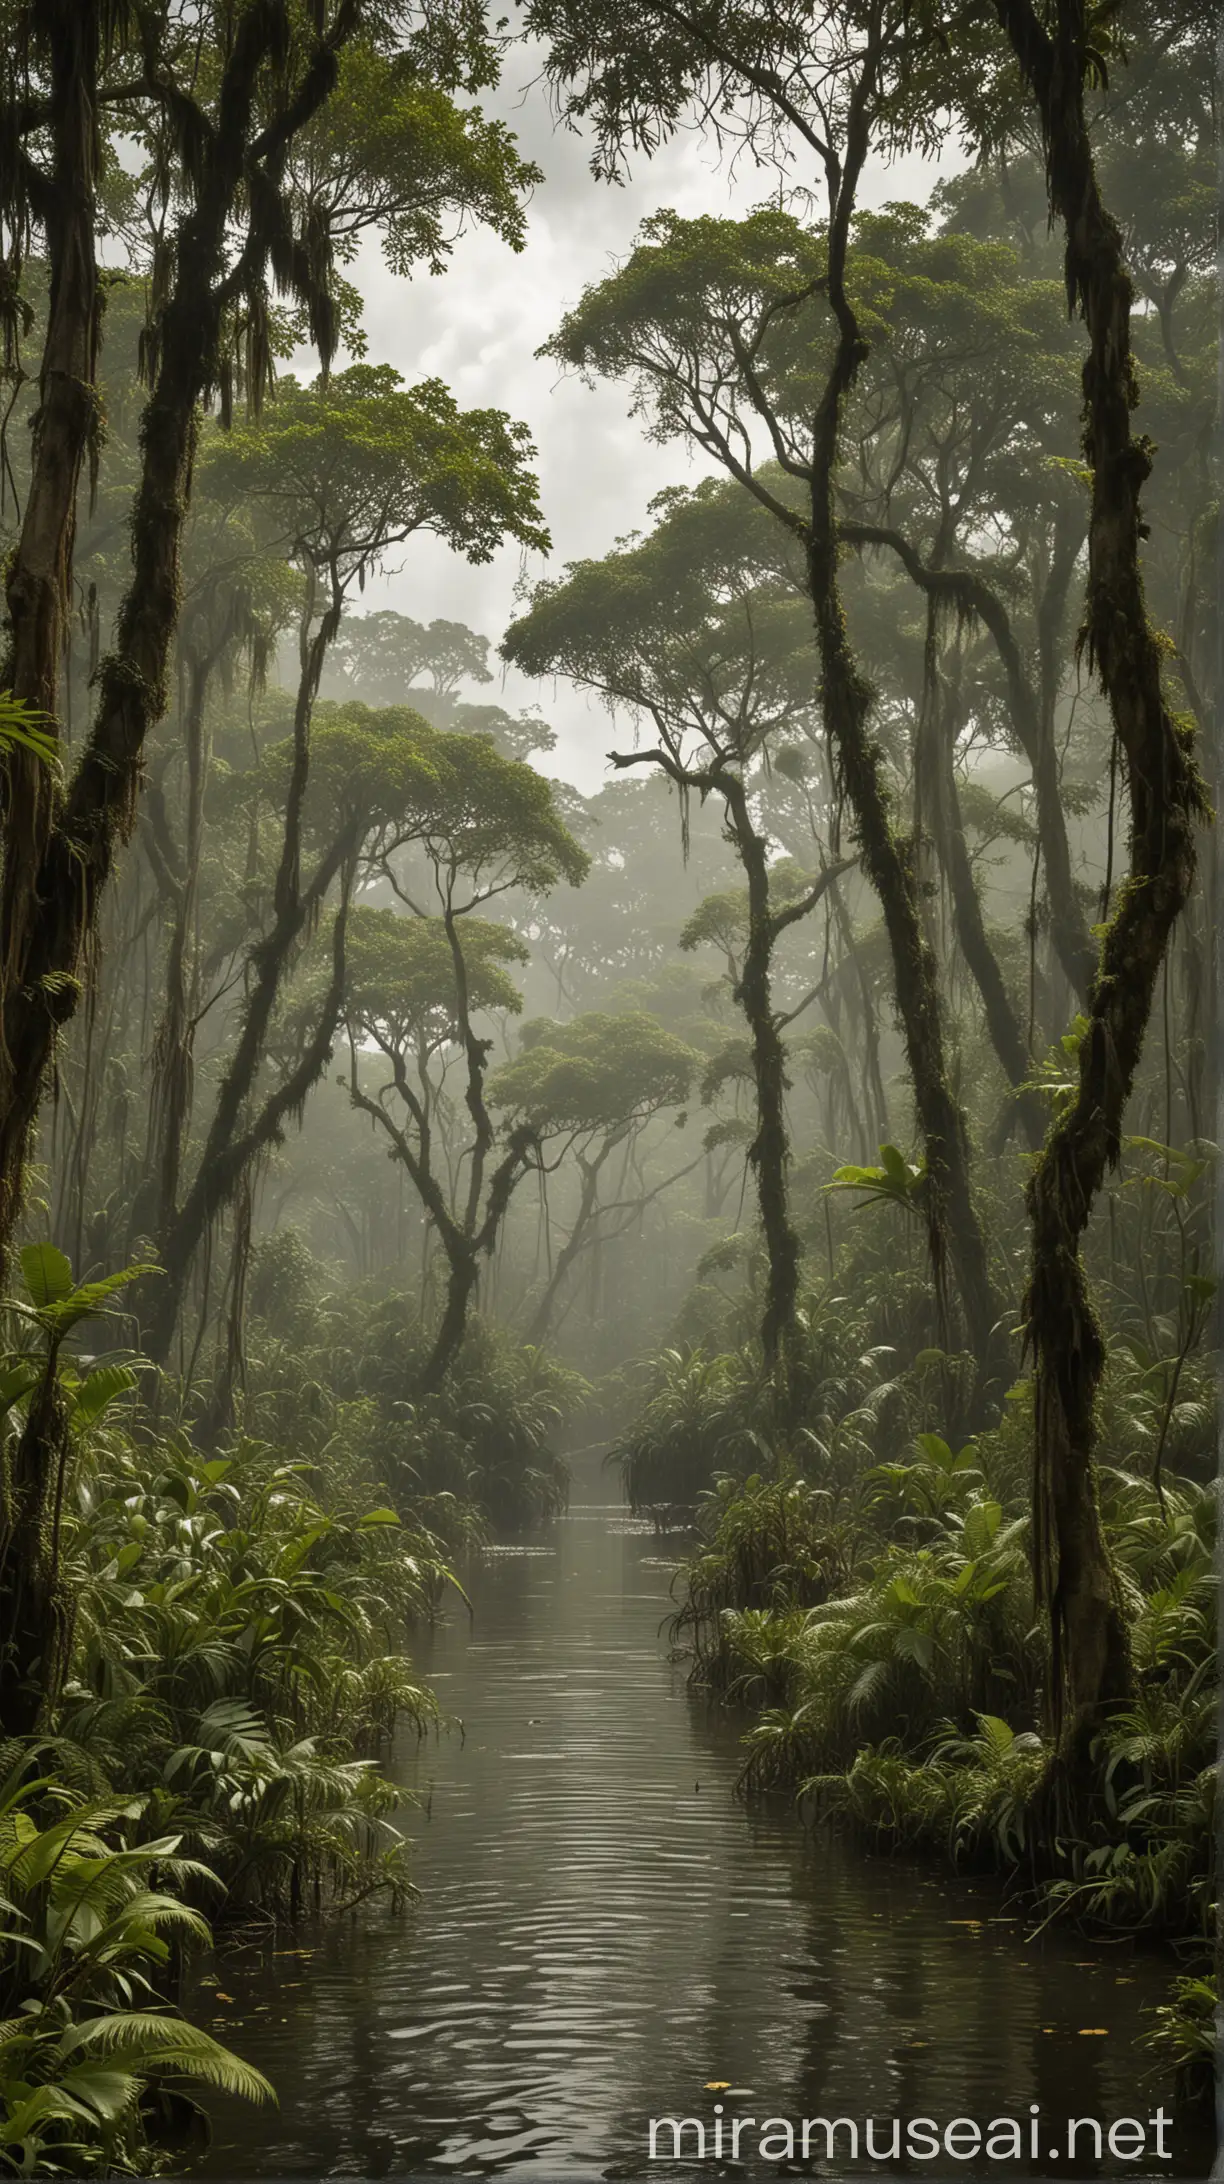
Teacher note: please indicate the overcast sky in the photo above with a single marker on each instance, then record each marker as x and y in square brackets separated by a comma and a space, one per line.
[478, 327]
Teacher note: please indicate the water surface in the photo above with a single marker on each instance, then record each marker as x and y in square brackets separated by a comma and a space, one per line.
[604, 1932]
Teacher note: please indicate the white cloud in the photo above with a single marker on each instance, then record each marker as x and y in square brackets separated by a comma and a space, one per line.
[478, 327]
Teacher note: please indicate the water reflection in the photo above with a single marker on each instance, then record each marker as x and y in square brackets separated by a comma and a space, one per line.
[604, 1933]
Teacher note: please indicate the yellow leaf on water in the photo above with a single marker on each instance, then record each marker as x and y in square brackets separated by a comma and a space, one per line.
[718, 2085]
[1094, 2032]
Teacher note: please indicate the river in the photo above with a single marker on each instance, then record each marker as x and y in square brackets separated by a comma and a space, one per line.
[605, 1934]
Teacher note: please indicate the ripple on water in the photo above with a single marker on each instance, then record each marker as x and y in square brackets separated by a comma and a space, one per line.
[599, 1938]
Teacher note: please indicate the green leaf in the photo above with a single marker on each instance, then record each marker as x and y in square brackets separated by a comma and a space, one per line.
[99, 1390]
[16, 1381]
[935, 1449]
[47, 1274]
[22, 728]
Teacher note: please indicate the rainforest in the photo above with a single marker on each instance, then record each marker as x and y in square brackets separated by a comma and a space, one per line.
[608, 1084]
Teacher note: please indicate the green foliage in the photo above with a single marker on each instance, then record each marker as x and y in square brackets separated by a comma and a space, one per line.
[90, 1910]
[237, 1640]
[880, 1624]
[664, 320]
[896, 1181]
[359, 462]
[478, 1451]
[688, 622]
[720, 921]
[969, 1795]
[402, 975]
[57, 1303]
[598, 1073]
[495, 819]
[428, 165]
[21, 729]
[947, 1622]
[382, 655]
[234, 1654]
[1185, 2033]
[372, 769]
[696, 1423]
[485, 1437]
[773, 1548]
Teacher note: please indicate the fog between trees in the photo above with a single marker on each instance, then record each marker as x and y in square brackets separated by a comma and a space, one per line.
[820, 1112]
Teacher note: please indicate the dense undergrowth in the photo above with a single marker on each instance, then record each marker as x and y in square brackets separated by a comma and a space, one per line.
[899, 843]
[861, 1586]
[233, 1622]
[338, 1373]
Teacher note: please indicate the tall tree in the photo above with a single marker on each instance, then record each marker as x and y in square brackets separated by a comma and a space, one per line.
[680, 629]
[715, 325]
[247, 191]
[340, 473]
[50, 121]
[588, 1090]
[422, 981]
[231, 153]
[1059, 60]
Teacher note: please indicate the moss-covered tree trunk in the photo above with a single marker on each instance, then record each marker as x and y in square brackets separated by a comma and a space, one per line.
[462, 1282]
[39, 577]
[238, 1136]
[888, 859]
[1073, 1572]
[1035, 717]
[37, 1613]
[234, 1140]
[769, 1151]
[74, 867]
[173, 1058]
[935, 771]
[1031, 711]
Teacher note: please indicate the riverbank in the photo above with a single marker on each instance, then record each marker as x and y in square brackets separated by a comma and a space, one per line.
[604, 1931]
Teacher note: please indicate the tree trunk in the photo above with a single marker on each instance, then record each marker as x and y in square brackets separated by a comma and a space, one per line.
[462, 1279]
[42, 983]
[873, 1114]
[468, 1239]
[542, 1316]
[220, 1413]
[1074, 1578]
[1032, 719]
[935, 765]
[769, 1152]
[173, 1056]
[234, 1142]
[846, 698]
[39, 580]
[1035, 726]
[40, 974]
[37, 1615]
